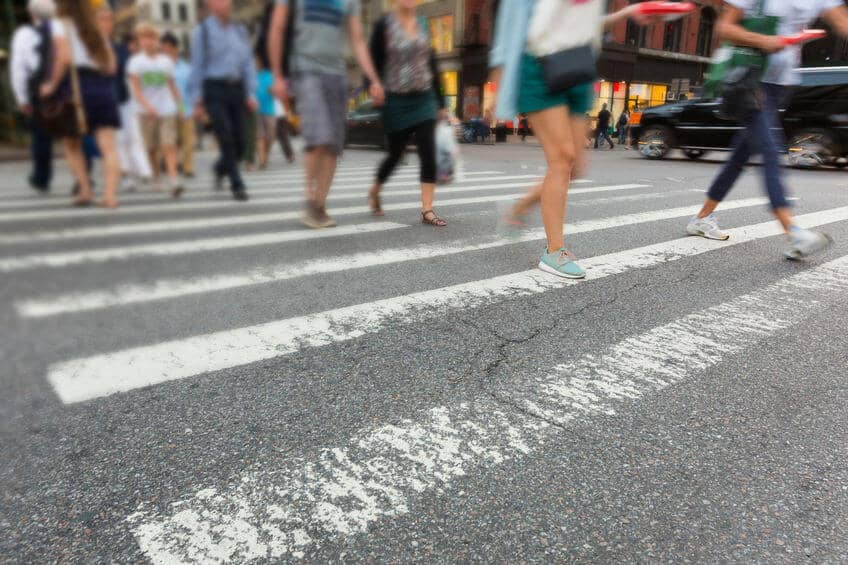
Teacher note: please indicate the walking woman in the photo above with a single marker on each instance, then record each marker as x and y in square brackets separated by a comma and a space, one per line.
[77, 41]
[558, 120]
[406, 64]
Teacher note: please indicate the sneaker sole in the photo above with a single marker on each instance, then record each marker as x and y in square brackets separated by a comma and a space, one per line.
[699, 233]
[551, 271]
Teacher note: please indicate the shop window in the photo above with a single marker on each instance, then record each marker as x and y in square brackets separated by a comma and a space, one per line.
[450, 89]
[705, 32]
[441, 34]
[636, 35]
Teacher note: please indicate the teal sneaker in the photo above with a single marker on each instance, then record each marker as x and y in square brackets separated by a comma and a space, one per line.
[561, 263]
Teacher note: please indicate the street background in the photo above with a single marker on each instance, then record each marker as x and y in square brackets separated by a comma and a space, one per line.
[205, 380]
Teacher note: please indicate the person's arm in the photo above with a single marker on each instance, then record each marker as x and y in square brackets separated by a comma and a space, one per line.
[175, 92]
[437, 81]
[360, 51]
[629, 12]
[138, 94]
[377, 48]
[61, 60]
[18, 71]
[276, 47]
[195, 77]
[837, 18]
[248, 75]
[111, 59]
[729, 29]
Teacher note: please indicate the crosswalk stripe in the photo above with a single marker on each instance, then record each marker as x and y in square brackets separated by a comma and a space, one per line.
[109, 373]
[171, 206]
[280, 511]
[184, 247]
[252, 219]
[174, 288]
[362, 179]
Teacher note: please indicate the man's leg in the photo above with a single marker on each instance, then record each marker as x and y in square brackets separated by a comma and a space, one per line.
[187, 141]
[42, 157]
[326, 172]
[220, 116]
[238, 117]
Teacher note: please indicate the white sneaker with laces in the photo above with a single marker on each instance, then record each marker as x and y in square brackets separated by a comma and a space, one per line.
[804, 242]
[706, 227]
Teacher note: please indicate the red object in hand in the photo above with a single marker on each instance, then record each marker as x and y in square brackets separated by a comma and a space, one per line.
[805, 36]
[671, 10]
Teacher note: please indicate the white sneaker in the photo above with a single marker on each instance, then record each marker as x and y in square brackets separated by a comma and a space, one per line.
[706, 227]
[128, 184]
[804, 242]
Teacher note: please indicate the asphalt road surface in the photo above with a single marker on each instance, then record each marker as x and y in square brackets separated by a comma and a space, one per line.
[207, 381]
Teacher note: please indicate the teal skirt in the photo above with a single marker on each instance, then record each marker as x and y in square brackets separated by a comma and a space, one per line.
[533, 95]
[403, 111]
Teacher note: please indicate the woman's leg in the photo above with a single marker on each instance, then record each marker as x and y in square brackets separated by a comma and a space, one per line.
[397, 145]
[425, 142]
[553, 127]
[76, 162]
[105, 138]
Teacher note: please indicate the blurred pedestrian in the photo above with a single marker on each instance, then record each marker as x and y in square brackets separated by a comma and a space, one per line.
[151, 75]
[623, 126]
[186, 127]
[28, 67]
[223, 80]
[266, 130]
[135, 165]
[79, 43]
[406, 64]
[557, 119]
[319, 83]
[602, 131]
[284, 130]
[762, 131]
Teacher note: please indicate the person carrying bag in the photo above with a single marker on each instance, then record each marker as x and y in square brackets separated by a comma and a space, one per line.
[62, 114]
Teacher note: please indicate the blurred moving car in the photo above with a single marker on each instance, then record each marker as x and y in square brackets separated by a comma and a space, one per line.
[365, 126]
[815, 122]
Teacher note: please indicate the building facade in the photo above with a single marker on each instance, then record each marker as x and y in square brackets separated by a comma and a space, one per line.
[174, 16]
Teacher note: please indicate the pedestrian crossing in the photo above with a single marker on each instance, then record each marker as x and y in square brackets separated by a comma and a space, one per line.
[342, 490]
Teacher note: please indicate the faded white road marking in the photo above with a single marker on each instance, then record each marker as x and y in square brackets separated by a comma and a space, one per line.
[185, 247]
[325, 496]
[173, 288]
[109, 373]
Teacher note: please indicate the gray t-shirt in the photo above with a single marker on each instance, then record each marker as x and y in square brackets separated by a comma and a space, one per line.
[794, 16]
[320, 30]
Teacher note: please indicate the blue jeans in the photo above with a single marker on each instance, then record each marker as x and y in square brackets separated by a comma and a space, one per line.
[763, 134]
[41, 146]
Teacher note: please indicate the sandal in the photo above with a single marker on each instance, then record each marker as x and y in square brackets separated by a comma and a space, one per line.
[110, 204]
[375, 205]
[434, 221]
[81, 202]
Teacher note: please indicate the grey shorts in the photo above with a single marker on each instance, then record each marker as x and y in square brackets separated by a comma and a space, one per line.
[322, 108]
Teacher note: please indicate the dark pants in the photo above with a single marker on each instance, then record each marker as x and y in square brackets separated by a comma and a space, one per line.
[425, 141]
[622, 134]
[283, 138]
[41, 146]
[602, 133]
[225, 104]
[763, 134]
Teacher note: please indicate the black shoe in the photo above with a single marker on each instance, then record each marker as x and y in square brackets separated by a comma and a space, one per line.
[240, 194]
[40, 187]
[219, 181]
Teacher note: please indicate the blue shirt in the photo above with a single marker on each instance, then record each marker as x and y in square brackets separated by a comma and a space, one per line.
[264, 81]
[229, 56]
[182, 76]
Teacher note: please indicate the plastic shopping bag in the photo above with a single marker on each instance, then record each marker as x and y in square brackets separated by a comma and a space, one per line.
[447, 153]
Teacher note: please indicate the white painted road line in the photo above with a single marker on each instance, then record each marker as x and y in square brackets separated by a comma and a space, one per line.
[280, 511]
[110, 373]
[172, 206]
[185, 247]
[174, 288]
[163, 226]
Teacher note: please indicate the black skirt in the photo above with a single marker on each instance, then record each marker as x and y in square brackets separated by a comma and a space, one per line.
[100, 100]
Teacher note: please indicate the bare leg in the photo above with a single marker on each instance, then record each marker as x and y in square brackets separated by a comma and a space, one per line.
[311, 164]
[428, 193]
[326, 173]
[76, 162]
[554, 130]
[105, 138]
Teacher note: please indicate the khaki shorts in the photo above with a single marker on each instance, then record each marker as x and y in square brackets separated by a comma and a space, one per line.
[159, 132]
[266, 128]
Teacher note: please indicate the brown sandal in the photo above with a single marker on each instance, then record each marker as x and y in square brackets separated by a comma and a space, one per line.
[375, 205]
[434, 221]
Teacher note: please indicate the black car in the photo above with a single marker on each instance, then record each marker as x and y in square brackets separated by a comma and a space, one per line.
[815, 122]
[365, 126]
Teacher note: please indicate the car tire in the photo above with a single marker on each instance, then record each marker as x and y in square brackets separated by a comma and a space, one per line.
[655, 142]
[695, 154]
[811, 149]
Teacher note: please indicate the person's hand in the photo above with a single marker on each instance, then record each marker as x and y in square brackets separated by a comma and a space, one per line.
[378, 95]
[772, 44]
[634, 13]
[47, 89]
[280, 89]
[26, 109]
[150, 111]
[252, 104]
